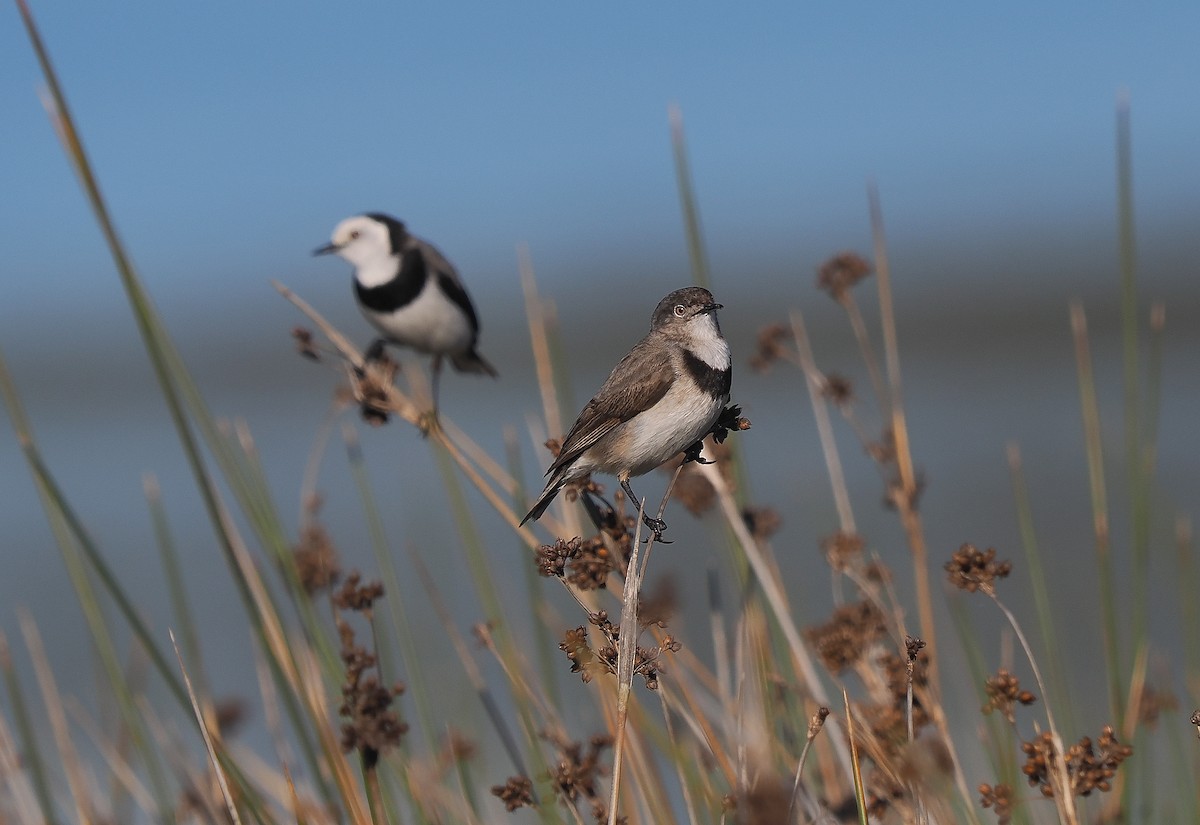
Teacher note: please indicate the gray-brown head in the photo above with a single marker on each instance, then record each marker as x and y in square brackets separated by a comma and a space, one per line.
[682, 308]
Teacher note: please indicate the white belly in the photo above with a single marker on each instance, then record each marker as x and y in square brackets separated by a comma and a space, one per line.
[666, 429]
[430, 323]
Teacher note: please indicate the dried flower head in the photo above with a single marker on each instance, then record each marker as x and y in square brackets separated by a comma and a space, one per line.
[1000, 799]
[517, 792]
[762, 522]
[1154, 703]
[1090, 766]
[773, 341]
[971, 569]
[316, 559]
[1004, 692]
[350, 596]
[371, 385]
[842, 550]
[841, 273]
[373, 727]
[305, 344]
[848, 635]
[729, 421]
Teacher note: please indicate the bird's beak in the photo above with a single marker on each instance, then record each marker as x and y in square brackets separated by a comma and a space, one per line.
[326, 249]
[707, 308]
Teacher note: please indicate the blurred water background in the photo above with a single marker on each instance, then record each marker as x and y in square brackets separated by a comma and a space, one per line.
[230, 139]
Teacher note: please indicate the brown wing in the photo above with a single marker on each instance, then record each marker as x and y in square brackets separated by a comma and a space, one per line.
[637, 383]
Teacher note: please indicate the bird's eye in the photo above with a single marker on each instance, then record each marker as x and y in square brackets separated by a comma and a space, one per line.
[354, 235]
[679, 310]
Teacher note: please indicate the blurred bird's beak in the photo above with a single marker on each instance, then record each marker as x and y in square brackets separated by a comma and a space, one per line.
[707, 308]
[326, 249]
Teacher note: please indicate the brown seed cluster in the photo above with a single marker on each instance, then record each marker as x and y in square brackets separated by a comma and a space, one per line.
[729, 421]
[762, 522]
[371, 385]
[774, 341]
[889, 720]
[1000, 799]
[841, 273]
[373, 727]
[838, 389]
[1004, 692]
[316, 559]
[1090, 765]
[305, 344]
[517, 792]
[843, 551]
[971, 569]
[577, 770]
[585, 563]
[848, 635]
[588, 661]
[1154, 702]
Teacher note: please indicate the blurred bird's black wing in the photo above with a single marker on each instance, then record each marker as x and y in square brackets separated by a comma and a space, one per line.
[447, 278]
[636, 384]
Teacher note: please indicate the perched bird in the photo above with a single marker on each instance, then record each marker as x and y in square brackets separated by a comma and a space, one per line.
[661, 399]
[410, 293]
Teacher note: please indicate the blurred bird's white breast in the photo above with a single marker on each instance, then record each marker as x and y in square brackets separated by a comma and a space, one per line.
[431, 322]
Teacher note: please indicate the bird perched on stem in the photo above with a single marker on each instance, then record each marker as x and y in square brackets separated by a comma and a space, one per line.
[660, 400]
[410, 293]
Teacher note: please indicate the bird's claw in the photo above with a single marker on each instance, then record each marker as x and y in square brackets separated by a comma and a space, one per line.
[692, 453]
[427, 422]
[656, 526]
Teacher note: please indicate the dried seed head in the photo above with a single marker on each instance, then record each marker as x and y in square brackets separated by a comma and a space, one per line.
[1004, 692]
[762, 522]
[316, 559]
[841, 273]
[517, 792]
[848, 635]
[773, 342]
[1000, 799]
[971, 569]
[305, 344]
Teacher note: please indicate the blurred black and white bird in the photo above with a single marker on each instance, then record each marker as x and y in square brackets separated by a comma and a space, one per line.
[660, 400]
[410, 293]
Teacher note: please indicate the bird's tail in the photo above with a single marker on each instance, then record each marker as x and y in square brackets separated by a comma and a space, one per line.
[552, 487]
[472, 361]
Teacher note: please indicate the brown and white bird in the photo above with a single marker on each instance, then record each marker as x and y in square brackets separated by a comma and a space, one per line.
[661, 399]
[410, 293]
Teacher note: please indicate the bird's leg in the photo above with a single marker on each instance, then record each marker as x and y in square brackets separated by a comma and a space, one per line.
[656, 525]
[692, 453]
[376, 350]
[429, 420]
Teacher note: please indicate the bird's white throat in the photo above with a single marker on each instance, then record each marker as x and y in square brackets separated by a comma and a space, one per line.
[376, 270]
[707, 343]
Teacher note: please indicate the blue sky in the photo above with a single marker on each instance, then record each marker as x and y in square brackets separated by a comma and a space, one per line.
[231, 137]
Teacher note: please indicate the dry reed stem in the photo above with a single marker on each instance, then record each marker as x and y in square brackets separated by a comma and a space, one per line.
[909, 517]
[274, 724]
[626, 651]
[110, 751]
[12, 770]
[1064, 799]
[310, 689]
[677, 758]
[771, 588]
[814, 380]
[399, 404]
[68, 757]
[210, 748]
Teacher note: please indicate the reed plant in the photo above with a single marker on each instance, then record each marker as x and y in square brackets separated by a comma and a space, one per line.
[764, 715]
